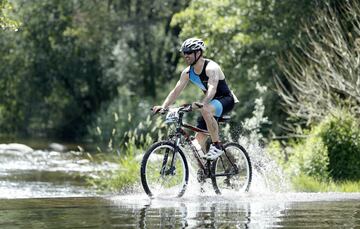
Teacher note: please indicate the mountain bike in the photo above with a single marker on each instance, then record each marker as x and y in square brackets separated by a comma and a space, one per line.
[165, 171]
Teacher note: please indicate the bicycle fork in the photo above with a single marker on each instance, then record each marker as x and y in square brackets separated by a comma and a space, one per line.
[171, 169]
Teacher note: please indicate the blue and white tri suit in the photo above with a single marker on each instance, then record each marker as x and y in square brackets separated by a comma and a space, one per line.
[223, 100]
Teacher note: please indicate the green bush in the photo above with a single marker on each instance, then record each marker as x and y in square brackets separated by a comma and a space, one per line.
[312, 156]
[122, 179]
[134, 143]
[126, 120]
[126, 176]
[303, 156]
[341, 135]
[331, 150]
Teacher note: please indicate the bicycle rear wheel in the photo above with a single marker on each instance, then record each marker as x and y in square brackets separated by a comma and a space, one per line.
[232, 171]
[164, 170]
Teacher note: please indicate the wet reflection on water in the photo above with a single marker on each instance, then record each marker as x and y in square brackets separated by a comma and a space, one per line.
[250, 211]
[137, 211]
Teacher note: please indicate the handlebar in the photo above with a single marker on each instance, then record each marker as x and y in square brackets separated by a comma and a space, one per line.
[186, 108]
[183, 108]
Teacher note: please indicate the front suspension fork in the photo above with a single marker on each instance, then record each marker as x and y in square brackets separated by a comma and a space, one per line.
[171, 168]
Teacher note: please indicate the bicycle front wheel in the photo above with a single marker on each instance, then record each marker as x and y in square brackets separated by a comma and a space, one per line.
[164, 170]
[232, 171]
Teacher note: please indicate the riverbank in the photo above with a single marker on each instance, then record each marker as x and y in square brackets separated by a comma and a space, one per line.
[31, 173]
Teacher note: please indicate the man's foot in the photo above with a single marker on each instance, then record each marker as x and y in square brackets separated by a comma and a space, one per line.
[215, 151]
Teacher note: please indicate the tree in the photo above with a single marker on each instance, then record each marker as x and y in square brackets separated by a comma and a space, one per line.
[5, 21]
[146, 51]
[323, 70]
[71, 59]
[246, 37]
[51, 76]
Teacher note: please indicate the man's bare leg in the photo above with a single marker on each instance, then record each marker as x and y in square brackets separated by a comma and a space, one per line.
[208, 112]
[201, 138]
[216, 148]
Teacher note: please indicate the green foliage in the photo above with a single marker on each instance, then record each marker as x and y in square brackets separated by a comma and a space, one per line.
[145, 55]
[253, 125]
[304, 183]
[128, 173]
[5, 21]
[307, 156]
[51, 78]
[277, 152]
[341, 135]
[330, 152]
[329, 48]
[126, 123]
[131, 147]
[311, 156]
[53, 81]
[123, 179]
[245, 37]
[72, 61]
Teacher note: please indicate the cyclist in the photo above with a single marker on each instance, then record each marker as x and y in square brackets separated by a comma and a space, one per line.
[218, 99]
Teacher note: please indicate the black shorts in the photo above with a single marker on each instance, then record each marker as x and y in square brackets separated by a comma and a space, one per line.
[222, 106]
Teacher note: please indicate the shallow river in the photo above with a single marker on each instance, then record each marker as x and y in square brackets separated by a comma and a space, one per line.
[45, 189]
[291, 210]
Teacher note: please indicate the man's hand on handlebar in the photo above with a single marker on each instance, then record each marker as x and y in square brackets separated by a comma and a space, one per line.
[197, 105]
[158, 109]
[185, 107]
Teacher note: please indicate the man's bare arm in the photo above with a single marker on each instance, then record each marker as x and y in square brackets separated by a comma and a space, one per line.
[180, 85]
[214, 76]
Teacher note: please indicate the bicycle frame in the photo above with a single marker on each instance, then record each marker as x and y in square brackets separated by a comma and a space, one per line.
[180, 132]
[170, 155]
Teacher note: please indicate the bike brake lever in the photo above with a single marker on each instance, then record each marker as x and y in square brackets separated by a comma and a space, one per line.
[187, 107]
[161, 111]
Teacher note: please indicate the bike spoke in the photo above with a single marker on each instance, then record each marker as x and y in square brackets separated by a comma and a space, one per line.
[232, 170]
[165, 172]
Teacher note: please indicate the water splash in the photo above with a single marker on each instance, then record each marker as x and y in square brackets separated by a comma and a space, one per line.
[268, 176]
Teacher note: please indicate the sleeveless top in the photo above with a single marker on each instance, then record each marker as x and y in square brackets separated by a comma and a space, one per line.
[201, 81]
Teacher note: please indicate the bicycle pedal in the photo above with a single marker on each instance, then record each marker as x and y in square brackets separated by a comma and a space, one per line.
[201, 176]
[227, 182]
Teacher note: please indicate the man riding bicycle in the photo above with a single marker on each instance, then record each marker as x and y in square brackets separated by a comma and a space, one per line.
[218, 99]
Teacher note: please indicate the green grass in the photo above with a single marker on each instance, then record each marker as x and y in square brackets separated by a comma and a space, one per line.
[122, 179]
[305, 183]
[128, 174]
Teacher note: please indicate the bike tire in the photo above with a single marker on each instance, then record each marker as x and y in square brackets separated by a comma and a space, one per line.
[154, 162]
[237, 182]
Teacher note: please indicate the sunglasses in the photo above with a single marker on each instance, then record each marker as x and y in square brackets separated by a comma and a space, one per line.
[188, 52]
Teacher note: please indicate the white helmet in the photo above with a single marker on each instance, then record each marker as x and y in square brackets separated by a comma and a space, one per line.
[192, 44]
